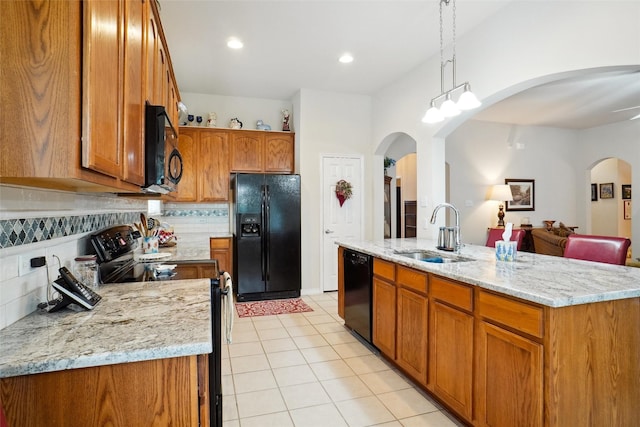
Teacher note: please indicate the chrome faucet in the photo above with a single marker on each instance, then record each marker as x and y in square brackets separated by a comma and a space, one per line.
[456, 229]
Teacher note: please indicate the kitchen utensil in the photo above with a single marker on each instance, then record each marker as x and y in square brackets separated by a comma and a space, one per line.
[152, 223]
[139, 228]
[143, 221]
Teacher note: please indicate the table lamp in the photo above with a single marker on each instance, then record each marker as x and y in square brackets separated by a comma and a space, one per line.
[501, 193]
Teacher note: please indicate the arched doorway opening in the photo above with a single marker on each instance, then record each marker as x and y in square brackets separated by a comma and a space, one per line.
[399, 185]
[611, 198]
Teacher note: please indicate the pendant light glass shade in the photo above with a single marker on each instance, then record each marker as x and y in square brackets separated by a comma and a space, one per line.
[433, 115]
[468, 100]
[449, 108]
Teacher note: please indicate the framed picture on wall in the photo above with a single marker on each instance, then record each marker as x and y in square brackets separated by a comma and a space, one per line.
[594, 192]
[626, 191]
[627, 209]
[606, 190]
[523, 191]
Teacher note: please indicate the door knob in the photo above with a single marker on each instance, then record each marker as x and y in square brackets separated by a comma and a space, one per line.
[327, 231]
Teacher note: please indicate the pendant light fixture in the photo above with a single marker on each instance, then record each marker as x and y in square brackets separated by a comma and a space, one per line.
[467, 100]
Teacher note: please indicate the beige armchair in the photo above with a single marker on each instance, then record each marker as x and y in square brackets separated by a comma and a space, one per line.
[549, 242]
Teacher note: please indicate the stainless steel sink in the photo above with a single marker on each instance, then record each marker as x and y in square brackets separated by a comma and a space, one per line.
[432, 256]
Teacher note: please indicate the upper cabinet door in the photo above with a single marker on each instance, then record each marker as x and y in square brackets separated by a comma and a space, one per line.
[102, 97]
[188, 147]
[279, 152]
[135, 19]
[153, 41]
[247, 151]
[213, 162]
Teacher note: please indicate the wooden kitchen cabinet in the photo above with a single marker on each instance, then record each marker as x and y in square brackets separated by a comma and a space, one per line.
[205, 175]
[222, 249]
[103, 65]
[412, 323]
[509, 375]
[78, 85]
[496, 360]
[451, 344]
[153, 392]
[261, 151]
[384, 307]
[247, 151]
[509, 379]
[279, 152]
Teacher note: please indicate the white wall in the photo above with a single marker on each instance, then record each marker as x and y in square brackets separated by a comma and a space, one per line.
[20, 294]
[481, 154]
[329, 123]
[247, 110]
[618, 140]
[526, 43]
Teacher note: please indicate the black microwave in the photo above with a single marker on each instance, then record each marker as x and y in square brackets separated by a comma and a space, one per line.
[163, 163]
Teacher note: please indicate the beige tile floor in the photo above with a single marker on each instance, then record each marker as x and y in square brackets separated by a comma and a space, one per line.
[306, 370]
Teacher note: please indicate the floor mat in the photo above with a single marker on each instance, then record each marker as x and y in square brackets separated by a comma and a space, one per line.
[271, 307]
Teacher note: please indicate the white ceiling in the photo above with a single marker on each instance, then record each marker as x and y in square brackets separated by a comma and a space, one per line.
[574, 103]
[294, 44]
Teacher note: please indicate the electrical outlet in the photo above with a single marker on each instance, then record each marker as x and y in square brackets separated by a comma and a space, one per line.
[24, 262]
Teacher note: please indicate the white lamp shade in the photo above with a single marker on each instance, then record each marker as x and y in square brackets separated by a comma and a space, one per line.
[501, 193]
[433, 115]
[468, 100]
[449, 108]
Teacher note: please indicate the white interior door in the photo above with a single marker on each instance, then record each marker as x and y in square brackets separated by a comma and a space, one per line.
[339, 222]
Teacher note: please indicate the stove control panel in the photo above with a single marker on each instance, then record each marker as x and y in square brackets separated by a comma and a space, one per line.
[114, 242]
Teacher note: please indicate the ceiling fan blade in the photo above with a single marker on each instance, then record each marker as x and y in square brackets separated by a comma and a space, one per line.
[635, 117]
[625, 109]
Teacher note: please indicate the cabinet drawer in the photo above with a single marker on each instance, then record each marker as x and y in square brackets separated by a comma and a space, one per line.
[456, 294]
[515, 314]
[220, 243]
[384, 269]
[412, 279]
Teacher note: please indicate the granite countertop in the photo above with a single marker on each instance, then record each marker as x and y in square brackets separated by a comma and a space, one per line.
[180, 252]
[133, 322]
[188, 247]
[547, 280]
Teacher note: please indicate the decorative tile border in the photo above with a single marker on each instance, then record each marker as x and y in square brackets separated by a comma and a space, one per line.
[220, 212]
[23, 231]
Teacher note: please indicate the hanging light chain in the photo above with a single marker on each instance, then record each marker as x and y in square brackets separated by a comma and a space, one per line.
[441, 42]
[454, 30]
[467, 100]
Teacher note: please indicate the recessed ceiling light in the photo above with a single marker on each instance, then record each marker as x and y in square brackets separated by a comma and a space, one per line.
[234, 43]
[346, 58]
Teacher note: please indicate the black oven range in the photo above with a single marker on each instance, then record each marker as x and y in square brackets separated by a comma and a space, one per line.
[114, 249]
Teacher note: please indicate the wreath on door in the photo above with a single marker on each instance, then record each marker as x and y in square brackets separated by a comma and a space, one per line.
[343, 191]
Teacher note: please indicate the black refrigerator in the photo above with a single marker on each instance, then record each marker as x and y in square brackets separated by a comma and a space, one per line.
[266, 236]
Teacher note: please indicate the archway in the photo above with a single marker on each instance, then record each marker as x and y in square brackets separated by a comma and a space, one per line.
[400, 183]
[489, 152]
[611, 210]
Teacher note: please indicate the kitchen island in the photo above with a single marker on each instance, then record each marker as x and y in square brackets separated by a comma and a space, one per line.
[135, 359]
[542, 341]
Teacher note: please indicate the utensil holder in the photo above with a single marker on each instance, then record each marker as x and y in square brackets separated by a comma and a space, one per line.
[150, 244]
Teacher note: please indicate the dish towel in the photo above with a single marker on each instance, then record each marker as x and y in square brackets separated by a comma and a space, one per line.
[227, 306]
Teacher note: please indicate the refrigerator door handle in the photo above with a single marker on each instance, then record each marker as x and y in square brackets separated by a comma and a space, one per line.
[264, 232]
[266, 226]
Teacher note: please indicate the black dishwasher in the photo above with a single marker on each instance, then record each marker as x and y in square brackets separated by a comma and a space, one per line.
[358, 269]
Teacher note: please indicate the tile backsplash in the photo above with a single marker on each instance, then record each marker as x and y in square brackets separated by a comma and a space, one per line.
[56, 225]
[23, 231]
